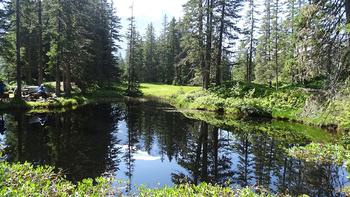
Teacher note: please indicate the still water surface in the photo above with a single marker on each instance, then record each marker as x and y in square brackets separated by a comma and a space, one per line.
[152, 144]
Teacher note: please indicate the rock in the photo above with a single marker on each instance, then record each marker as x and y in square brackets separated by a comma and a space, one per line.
[253, 112]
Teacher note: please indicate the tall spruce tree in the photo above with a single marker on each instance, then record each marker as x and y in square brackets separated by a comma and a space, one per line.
[150, 60]
[18, 51]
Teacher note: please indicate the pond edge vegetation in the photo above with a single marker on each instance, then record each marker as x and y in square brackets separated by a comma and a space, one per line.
[289, 103]
[27, 180]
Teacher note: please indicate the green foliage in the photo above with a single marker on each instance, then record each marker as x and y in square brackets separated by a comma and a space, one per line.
[289, 102]
[324, 153]
[233, 96]
[239, 89]
[200, 190]
[27, 180]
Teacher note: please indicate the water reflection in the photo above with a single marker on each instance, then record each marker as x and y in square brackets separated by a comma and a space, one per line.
[80, 143]
[2, 124]
[146, 143]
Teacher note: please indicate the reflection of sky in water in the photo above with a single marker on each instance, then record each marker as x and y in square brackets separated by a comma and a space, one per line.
[153, 171]
[90, 141]
[149, 169]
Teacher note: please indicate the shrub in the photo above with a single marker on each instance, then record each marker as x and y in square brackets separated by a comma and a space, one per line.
[27, 180]
[203, 189]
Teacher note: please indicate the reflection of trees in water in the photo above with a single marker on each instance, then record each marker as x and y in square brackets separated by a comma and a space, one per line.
[14, 137]
[263, 150]
[243, 173]
[276, 172]
[132, 118]
[80, 142]
[83, 143]
[261, 160]
[206, 158]
[207, 153]
[313, 179]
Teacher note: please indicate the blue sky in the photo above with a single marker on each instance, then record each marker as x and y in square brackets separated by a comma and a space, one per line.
[148, 11]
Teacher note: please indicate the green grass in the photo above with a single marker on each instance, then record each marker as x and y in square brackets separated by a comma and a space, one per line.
[165, 91]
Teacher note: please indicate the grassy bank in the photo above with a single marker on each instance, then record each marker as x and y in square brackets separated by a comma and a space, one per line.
[292, 103]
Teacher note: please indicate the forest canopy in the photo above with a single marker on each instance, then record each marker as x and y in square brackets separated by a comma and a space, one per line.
[262, 41]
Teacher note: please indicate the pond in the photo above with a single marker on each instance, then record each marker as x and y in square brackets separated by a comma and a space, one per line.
[155, 145]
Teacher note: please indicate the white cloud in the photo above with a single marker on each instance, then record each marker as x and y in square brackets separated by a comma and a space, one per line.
[139, 154]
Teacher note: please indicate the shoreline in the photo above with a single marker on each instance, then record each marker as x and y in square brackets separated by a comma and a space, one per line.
[250, 108]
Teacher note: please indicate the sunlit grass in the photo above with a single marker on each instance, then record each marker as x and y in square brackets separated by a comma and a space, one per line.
[165, 91]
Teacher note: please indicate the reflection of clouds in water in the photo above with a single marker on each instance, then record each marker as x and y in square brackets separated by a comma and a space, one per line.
[139, 154]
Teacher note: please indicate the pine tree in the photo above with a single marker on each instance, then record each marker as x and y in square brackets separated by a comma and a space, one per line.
[150, 70]
[263, 71]
[252, 22]
[193, 40]
[133, 83]
[226, 17]
[276, 40]
[18, 51]
[40, 43]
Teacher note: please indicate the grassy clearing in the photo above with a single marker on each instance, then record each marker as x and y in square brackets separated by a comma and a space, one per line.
[165, 91]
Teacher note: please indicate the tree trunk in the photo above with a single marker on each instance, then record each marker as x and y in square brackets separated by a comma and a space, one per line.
[68, 81]
[206, 76]
[268, 37]
[18, 52]
[276, 47]
[201, 45]
[58, 61]
[131, 53]
[70, 38]
[250, 63]
[347, 10]
[220, 49]
[40, 40]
